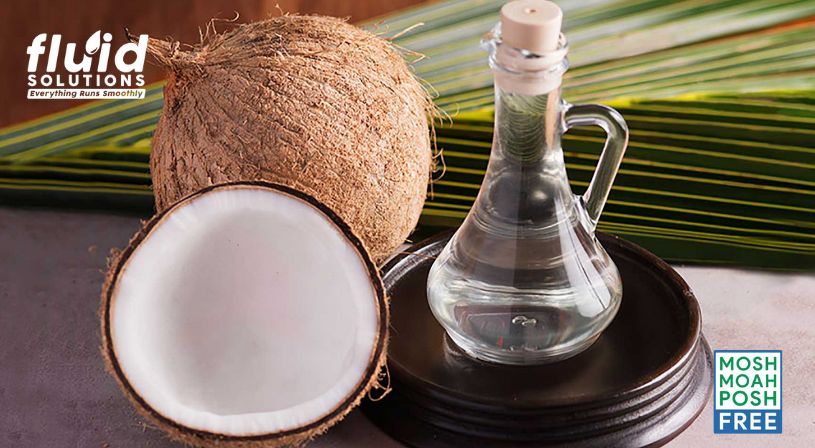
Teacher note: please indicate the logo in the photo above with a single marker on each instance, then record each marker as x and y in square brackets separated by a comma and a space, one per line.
[747, 392]
[95, 71]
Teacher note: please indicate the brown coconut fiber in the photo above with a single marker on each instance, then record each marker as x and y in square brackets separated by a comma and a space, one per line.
[193, 437]
[311, 102]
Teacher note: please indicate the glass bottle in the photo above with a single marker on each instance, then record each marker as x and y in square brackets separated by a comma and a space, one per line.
[524, 279]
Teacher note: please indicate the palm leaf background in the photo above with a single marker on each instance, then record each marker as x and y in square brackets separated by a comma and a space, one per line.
[719, 96]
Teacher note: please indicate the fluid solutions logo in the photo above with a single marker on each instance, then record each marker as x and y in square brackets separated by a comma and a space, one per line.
[90, 72]
[747, 391]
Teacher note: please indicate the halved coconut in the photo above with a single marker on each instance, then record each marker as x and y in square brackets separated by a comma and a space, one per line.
[247, 314]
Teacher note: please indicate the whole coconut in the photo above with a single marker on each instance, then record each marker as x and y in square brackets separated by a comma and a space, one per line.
[310, 102]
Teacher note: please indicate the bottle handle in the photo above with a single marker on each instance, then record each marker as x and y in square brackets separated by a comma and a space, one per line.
[594, 199]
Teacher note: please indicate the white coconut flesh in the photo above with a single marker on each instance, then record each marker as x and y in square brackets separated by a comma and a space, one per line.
[245, 311]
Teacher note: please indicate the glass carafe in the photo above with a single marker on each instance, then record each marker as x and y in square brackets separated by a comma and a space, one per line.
[524, 280]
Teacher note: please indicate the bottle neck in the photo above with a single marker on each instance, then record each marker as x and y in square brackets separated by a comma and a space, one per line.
[528, 127]
[528, 107]
[525, 187]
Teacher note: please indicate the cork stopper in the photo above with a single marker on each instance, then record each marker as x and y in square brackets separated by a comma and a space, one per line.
[532, 25]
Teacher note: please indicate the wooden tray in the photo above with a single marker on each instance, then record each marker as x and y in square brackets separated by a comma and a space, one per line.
[642, 383]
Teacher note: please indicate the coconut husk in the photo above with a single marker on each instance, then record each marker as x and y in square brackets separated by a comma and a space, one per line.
[310, 102]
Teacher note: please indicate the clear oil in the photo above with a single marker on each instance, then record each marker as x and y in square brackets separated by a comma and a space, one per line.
[524, 280]
[541, 310]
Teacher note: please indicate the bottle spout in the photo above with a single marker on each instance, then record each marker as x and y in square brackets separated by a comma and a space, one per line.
[532, 25]
[527, 49]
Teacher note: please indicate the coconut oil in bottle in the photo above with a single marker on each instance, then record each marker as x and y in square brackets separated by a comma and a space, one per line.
[524, 280]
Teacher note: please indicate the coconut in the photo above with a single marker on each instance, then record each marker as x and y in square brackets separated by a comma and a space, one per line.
[310, 102]
[247, 314]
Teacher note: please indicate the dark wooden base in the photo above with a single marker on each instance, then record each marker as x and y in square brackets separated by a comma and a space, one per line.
[643, 382]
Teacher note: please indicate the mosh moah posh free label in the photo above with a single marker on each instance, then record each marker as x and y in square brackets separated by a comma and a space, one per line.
[747, 392]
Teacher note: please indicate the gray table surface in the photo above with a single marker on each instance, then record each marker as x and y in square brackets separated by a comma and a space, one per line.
[54, 391]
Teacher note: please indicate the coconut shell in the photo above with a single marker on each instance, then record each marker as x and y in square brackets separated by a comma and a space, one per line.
[195, 437]
[310, 102]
